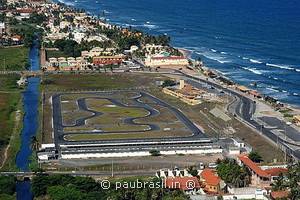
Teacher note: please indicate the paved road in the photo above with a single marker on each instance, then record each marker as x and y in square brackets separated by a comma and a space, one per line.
[244, 108]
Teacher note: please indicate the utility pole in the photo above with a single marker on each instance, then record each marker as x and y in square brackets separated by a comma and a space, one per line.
[112, 168]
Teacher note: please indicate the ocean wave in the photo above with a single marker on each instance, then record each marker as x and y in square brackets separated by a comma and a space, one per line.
[253, 70]
[281, 66]
[213, 50]
[150, 26]
[68, 3]
[224, 53]
[272, 89]
[255, 61]
[245, 58]
[214, 56]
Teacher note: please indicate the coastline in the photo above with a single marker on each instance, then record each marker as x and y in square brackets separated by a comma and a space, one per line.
[186, 52]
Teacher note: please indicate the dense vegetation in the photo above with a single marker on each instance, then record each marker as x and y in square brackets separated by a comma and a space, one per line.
[290, 181]
[232, 173]
[7, 187]
[65, 187]
[71, 48]
[255, 157]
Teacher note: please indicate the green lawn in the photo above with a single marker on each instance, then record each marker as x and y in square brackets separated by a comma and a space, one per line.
[14, 58]
[9, 82]
[101, 81]
[10, 126]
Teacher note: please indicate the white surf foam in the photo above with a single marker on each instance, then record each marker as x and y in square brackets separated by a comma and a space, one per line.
[255, 61]
[280, 66]
[213, 50]
[213, 56]
[253, 70]
[68, 3]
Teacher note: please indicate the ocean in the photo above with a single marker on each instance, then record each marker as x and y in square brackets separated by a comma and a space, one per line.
[247, 41]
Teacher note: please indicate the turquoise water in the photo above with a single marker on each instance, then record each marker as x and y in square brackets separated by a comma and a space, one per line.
[249, 41]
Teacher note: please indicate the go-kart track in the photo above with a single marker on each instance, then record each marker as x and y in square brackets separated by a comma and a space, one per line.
[122, 123]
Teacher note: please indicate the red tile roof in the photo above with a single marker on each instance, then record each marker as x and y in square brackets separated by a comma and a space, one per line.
[210, 177]
[279, 194]
[276, 171]
[253, 166]
[182, 183]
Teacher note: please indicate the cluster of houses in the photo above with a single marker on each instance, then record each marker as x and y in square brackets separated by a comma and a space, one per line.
[208, 185]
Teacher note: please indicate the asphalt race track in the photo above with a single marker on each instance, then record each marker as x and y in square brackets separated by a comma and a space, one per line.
[58, 125]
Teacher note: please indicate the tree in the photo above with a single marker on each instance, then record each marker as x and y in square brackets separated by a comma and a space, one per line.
[168, 83]
[7, 185]
[233, 174]
[34, 143]
[193, 170]
[154, 152]
[255, 157]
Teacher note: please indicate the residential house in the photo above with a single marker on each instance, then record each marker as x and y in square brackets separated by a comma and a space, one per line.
[210, 181]
[259, 177]
[108, 60]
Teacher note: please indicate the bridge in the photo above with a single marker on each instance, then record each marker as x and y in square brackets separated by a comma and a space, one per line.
[25, 73]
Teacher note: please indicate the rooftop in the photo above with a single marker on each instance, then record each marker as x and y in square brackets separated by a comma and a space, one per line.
[253, 166]
[210, 177]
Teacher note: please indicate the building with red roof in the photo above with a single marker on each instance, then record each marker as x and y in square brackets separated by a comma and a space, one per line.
[260, 177]
[190, 185]
[210, 181]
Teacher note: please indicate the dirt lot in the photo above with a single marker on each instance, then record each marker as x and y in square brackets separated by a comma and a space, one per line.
[135, 163]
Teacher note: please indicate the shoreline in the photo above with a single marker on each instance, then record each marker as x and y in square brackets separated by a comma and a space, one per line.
[186, 52]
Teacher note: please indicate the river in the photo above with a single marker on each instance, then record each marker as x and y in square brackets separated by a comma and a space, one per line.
[30, 123]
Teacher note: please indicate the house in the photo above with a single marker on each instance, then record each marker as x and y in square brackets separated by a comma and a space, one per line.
[210, 181]
[275, 172]
[259, 177]
[108, 60]
[190, 185]
[24, 12]
[66, 64]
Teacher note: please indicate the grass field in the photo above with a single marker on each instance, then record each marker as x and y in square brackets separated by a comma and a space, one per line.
[9, 82]
[103, 81]
[14, 58]
[10, 120]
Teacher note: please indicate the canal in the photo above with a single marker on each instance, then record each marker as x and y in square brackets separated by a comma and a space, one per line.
[30, 123]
